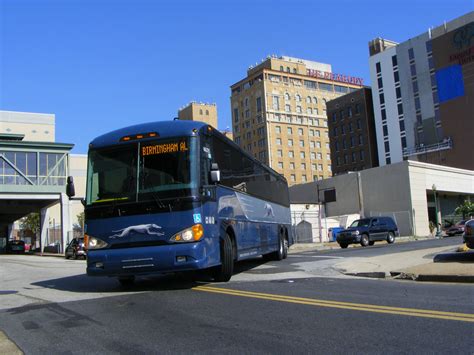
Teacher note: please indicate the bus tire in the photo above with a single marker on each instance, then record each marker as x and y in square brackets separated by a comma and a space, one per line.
[224, 271]
[281, 252]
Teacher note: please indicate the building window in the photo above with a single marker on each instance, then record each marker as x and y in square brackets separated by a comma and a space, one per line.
[300, 131]
[396, 76]
[207, 112]
[352, 141]
[311, 144]
[311, 132]
[292, 166]
[315, 100]
[278, 129]
[287, 108]
[350, 127]
[280, 165]
[236, 115]
[385, 130]
[413, 70]
[334, 131]
[301, 143]
[388, 161]
[287, 97]
[357, 109]
[334, 117]
[378, 69]
[298, 98]
[387, 147]
[361, 139]
[281, 67]
[382, 99]
[298, 109]
[290, 142]
[318, 144]
[291, 154]
[313, 166]
[303, 178]
[302, 155]
[402, 125]
[336, 146]
[404, 142]
[361, 155]
[398, 92]
[317, 133]
[358, 124]
[309, 111]
[313, 155]
[349, 112]
[279, 153]
[411, 54]
[353, 157]
[394, 60]
[380, 83]
[289, 130]
[342, 114]
[319, 156]
[200, 111]
[278, 141]
[303, 166]
[308, 99]
[259, 104]
[400, 109]
[275, 102]
[384, 114]
[292, 178]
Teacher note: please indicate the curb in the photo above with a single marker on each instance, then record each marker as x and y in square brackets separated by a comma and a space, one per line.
[436, 278]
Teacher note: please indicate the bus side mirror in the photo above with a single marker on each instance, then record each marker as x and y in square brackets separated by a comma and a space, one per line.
[215, 173]
[70, 190]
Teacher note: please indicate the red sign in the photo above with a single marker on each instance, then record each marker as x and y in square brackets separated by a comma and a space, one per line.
[335, 77]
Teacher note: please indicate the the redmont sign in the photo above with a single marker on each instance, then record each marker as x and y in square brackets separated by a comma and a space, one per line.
[335, 77]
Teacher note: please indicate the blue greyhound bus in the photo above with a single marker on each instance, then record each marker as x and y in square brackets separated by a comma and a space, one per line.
[179, 196]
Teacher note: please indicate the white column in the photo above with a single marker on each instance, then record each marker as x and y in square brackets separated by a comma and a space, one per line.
[44, 223]
[65, 221]
[10, 231]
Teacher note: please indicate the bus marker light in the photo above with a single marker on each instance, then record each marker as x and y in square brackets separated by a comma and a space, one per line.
[180, 259]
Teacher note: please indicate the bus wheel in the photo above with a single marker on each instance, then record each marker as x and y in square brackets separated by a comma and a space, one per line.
[126, 281]
[223, 272]
[282, 251]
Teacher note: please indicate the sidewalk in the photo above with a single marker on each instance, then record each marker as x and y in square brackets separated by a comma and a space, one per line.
[442, 264]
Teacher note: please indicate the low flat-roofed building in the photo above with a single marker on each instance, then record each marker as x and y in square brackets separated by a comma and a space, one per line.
[410, 192]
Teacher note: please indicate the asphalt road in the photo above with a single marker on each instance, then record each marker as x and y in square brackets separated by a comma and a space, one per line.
[172, 314]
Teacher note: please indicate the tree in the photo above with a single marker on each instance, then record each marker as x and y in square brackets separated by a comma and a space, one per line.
[465, 209]
[79, 226]
[31, 222]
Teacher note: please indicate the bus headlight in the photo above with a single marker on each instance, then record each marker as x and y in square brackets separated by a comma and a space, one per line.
[192, 234]
[91, 243]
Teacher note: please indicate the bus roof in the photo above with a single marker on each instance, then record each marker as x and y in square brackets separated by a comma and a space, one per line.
[164, 129]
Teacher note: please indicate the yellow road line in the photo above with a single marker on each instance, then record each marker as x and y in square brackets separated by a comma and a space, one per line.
[465, 317]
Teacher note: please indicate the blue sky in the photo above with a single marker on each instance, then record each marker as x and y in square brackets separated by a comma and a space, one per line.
[99, 65]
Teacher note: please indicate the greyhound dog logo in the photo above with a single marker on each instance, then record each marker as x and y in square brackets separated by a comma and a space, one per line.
[147, 229]
[269, 210]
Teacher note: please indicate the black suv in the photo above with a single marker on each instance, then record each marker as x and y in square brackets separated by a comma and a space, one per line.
[368, 230]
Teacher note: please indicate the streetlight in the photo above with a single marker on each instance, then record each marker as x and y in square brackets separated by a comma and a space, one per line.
[436, 210]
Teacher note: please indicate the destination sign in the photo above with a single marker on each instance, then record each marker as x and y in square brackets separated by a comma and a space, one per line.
[164, 148]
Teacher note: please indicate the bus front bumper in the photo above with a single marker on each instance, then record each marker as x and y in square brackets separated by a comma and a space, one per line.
[151, 259]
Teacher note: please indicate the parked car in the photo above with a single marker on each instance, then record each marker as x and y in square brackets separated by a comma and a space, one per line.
[458, 228]
[367, 231]
[15, 247]
[75, 249]
[468, 236]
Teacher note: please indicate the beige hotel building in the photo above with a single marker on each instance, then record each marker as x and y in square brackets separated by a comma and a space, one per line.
[279, 115]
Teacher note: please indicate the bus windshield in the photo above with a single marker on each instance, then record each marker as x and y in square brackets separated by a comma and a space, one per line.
[142, 171]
